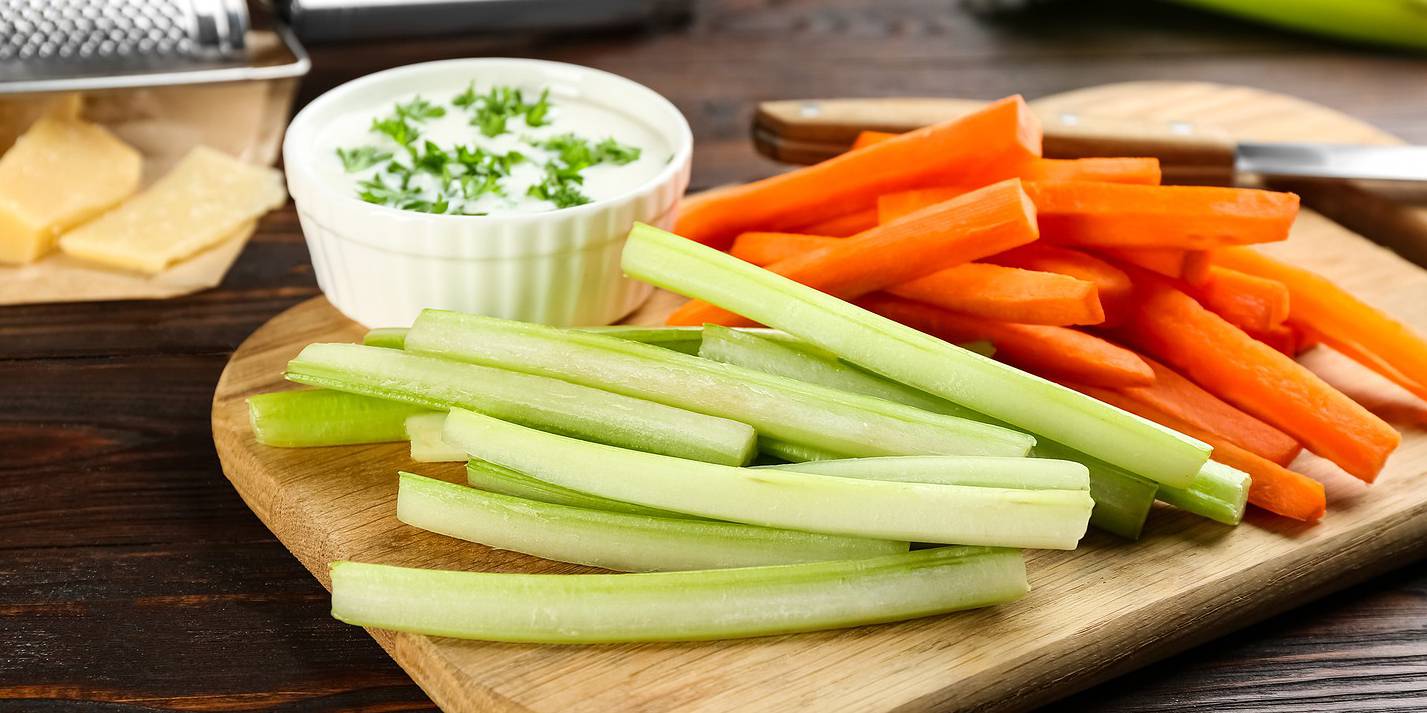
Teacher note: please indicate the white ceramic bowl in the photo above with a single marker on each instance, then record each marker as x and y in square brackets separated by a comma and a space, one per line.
[381, 266]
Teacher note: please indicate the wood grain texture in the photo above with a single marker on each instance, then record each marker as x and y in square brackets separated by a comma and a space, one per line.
[109, 480]
[1100, 610]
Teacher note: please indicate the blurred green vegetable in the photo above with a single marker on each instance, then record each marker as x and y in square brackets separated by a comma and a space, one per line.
[1402, 23]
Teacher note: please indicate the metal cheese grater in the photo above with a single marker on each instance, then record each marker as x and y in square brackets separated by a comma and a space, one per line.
[65, 45]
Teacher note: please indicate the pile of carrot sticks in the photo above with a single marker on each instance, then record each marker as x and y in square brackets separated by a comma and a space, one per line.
[1087, 272]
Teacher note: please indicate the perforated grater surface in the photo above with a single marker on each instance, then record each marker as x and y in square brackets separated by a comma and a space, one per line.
[64, 45]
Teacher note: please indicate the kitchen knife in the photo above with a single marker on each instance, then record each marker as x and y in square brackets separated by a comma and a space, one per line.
[807, 131]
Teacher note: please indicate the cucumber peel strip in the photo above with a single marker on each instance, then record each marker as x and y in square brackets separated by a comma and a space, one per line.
[537, 401]
[675, 606]
[611, 540]
[877, 509]
[914, 358]
[786, 409]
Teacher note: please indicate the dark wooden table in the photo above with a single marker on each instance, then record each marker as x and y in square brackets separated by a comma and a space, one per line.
[132, 578]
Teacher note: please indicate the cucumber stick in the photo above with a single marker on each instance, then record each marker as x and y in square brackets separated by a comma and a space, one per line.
[675, 606]
[424, 432]
[321, 417]
[913, 358]
[535, 401]
[1122, 500]
[1219, 492]
[617, 541]
[500, 479]
[1019, 473]
[920, 512]
[786, 409]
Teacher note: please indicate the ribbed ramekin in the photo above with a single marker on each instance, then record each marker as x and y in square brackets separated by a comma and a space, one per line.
[381, 266]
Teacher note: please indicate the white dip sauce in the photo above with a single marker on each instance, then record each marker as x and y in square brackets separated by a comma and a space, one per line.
[566, 115]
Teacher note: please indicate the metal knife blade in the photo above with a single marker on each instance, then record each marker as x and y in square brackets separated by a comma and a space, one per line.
[1342, 161]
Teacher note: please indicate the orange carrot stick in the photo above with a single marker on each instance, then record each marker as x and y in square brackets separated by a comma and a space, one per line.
[767, 248]
[1051, 351]
[992, 291]
[1340, 319]
[1143, 171]
[1273, 487]
[984, 146]
[844, 225]
[1191, 266]
[867, 138]
[1366, 358]
[1007, 294]
[1111, 283]
[895, 205]
[1230, 364]
[1251, 303]
[984, 222]
[1283, 339]
[1188, 217]
[1186, 401]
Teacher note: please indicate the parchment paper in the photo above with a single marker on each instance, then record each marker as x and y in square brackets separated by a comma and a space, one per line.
[244, 119]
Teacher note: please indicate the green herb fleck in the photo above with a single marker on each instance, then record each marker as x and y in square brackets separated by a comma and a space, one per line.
[560, 186]
[396, 128]
[419, 109]
[361, 158]
[611, 151]
[535, 114]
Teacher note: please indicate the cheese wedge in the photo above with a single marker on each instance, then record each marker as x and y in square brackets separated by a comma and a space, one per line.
[199, 203]
[60, 173]
[20, 111]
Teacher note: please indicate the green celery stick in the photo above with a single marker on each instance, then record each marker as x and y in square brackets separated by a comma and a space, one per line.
[617, 541]
[500, 479]
[388, 337]
[1122, 500]
[751, 351]
[786, 409]
[680, 339]
[977, 471]
[675, 606]
[793, 452]
[535, 401]
[424, 431]
[1219, 492]
[920, 512]
[913, 358]
[320, 417]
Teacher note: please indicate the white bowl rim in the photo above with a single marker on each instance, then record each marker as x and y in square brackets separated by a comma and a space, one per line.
[682, 154]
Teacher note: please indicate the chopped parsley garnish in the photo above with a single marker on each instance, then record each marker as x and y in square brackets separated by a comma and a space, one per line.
[577, 153]
[361, 158]
[560, 186]
[419, 109]
[432, 178]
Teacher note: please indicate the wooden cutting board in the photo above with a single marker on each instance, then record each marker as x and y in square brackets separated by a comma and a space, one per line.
[1099, 611]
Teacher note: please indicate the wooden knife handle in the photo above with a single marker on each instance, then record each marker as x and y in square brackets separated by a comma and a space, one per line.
[806, 131]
